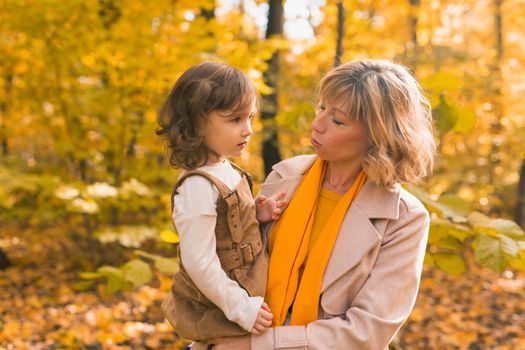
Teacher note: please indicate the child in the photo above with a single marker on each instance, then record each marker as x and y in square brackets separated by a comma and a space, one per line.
[219, 289]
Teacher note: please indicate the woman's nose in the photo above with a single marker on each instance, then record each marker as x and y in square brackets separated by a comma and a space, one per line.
[318, 123]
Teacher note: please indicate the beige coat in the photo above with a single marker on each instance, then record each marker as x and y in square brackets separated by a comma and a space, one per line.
[372, 278]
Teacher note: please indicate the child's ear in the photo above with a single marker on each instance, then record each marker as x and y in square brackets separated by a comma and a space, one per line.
[202, 125]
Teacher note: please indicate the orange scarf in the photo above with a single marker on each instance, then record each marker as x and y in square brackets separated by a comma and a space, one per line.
[289, 245]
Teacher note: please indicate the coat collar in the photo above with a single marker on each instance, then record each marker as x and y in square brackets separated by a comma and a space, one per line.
[376, 202]
[357, 235]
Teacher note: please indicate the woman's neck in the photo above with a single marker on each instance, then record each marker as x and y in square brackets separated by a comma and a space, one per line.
[340, 176]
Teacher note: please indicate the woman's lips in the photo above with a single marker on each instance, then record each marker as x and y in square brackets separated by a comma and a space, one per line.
[242, 144]
[315, 143]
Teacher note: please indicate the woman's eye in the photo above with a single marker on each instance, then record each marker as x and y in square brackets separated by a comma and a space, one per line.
[321, 107]
[236, 120]
[337, 122]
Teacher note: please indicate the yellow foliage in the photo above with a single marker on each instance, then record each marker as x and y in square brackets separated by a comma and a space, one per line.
[170, 236]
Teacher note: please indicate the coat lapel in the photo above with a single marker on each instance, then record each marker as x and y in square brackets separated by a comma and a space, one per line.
[357, 235]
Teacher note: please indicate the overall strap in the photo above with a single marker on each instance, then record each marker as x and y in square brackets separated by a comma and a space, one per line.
[241, 254]
[244, 174]
[224, 191]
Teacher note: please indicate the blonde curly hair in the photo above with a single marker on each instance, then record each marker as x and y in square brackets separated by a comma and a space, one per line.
[390, 105]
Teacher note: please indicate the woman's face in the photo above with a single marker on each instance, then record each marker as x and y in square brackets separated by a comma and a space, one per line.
[335, 137]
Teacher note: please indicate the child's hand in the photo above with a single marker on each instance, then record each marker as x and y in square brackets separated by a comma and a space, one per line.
[263, 320]
[269, 208]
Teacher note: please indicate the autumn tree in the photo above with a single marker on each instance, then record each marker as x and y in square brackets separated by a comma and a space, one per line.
[270, 104]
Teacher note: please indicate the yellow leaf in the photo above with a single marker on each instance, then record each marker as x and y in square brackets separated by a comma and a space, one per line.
[68, 339]
[417, 315]
[169, 236]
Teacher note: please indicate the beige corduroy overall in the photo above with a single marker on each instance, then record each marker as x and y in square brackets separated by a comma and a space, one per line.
[242, 254]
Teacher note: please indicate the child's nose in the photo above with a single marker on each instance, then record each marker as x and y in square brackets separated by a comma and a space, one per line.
[247, 130]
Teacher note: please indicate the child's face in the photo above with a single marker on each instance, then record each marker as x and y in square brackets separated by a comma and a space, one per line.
[227, 133]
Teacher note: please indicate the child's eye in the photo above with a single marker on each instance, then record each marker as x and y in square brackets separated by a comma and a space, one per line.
[321, 107]
[236, 120]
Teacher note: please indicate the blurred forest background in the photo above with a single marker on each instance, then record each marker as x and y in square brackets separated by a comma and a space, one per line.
[86, 243]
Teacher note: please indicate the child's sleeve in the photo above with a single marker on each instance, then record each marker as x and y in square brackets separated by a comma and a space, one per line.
[195, 216]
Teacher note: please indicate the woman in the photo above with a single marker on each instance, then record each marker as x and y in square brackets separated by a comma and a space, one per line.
[347, 253]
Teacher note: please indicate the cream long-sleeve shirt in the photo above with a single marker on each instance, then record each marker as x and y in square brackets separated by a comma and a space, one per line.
[195, 216]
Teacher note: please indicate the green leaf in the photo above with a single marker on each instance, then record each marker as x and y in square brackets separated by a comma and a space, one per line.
[466, 120]
[493, 227]
[107, 270]
[434, 100]
[438, 230]
[83, 285]
[441, 228]
[481, 224]
[446, 115]
[127, 286]
[450, 263]
[114, 285]
[90, 275]
[508, 227]
[165, 265]
[115, 278]
[441, 81]
[450, 243]
[440, 209]
[518, 264]
[429, 259]
[519, 261]
[496, 252]
[137, 272]
[508, 246]
[454, 202]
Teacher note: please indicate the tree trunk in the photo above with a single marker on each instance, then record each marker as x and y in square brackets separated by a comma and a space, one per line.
[109, 13]
[4, 261]
[519, 214]
[412, 22]
[208, 13]
[270, 105]
[340, 33]
[497, 93]
[4, 145]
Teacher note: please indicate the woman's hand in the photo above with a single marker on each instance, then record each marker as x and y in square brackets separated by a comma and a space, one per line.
[232, 343]
[269, 208]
